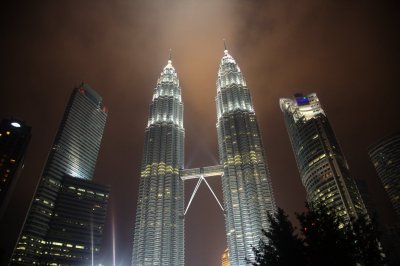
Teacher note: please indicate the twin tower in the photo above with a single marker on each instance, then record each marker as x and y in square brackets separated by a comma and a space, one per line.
[246, 184]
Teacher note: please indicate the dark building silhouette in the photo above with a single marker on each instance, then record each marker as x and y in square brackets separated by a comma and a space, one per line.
[385, 156]
[74, 153]
[366, 196]
[14, 139]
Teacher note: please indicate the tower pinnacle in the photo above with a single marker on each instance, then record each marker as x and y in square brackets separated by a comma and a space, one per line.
[225, 48]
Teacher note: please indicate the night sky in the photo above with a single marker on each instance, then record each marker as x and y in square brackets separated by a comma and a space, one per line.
[345, 51]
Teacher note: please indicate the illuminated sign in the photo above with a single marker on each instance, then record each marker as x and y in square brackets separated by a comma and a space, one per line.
[302, 101]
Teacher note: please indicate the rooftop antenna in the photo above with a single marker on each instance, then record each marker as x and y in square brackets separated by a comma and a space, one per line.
[170, 54]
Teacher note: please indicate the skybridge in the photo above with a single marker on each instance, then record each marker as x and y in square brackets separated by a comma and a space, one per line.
[201, 173]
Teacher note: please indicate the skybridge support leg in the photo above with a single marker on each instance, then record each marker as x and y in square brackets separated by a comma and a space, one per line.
[194, 193]
[200, 179]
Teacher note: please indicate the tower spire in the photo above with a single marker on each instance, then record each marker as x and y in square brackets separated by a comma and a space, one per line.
[225, 48]
[170, 54]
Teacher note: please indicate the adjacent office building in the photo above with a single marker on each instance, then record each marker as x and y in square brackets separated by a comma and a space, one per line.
[385, 156]
[76, 229]
[50, 222]
[159, 226]
[246, 182]
[14, 139]
[323, 168]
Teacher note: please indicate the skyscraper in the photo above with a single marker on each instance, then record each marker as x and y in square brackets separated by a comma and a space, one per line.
[385, 156]
[246, 184]
[74, 153]
[159, 225]
[323, 168]
[14, 139]
[76, 229]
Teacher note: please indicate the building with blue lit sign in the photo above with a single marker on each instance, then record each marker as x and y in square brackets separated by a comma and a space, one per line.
[323, 168]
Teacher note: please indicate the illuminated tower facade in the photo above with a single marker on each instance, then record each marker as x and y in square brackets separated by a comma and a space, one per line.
[74, 153]
[323, 168]
[159, 225]
[385, 155]
[246, 183]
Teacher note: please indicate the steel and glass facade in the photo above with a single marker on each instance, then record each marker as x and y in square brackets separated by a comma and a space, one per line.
[76, 229]
[159, 225]
[74, 153]
[323, 168]
[385, 156]
[246, 183]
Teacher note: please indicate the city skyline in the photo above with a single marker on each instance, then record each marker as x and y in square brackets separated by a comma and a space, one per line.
[344, 52]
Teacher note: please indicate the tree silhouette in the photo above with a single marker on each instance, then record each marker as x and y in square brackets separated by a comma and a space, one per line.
[282, 247]
[325, 241]
[365, 238]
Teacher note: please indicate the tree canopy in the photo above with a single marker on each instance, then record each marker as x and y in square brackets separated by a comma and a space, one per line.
[322, 239]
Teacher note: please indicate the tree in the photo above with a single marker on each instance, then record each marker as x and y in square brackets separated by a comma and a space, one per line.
[282, 246]
[325, 240]
[365, 238]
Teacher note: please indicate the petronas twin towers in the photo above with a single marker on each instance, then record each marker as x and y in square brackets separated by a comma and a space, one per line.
[247, 191]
